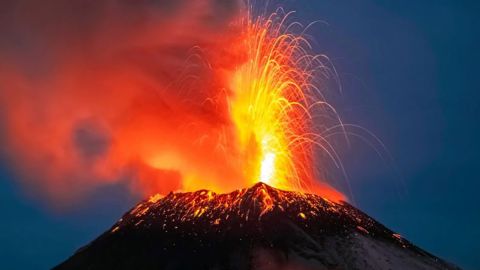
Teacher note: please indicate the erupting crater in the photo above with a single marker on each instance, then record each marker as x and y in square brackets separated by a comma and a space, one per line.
[260, 227]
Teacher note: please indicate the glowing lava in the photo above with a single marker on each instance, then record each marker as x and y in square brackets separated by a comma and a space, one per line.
[268, 167]
[243, 205]
[274, 93]
[273, 96]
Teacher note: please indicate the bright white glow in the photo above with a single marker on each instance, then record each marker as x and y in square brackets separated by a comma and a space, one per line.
[268, 167]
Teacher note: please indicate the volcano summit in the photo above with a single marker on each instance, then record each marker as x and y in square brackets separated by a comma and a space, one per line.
[256, 228]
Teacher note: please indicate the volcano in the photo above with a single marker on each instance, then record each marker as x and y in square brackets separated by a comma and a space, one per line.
[254, 228]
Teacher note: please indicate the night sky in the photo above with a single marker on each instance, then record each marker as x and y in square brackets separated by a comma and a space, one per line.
[409, 75]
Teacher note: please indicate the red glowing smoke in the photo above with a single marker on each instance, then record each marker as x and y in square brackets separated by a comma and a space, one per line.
[96, 92]
[90, 90]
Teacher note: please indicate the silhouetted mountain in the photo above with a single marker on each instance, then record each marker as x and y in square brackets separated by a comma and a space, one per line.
[256, 228]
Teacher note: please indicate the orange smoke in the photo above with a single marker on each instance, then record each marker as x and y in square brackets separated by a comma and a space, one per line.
[158, 96]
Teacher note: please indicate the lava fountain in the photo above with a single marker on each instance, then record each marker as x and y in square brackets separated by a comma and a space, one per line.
[274, 101]
[273, 96]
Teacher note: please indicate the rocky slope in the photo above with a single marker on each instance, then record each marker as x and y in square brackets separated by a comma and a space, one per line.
[256, 228]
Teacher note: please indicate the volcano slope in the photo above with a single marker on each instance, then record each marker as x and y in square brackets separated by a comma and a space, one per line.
[256, 228]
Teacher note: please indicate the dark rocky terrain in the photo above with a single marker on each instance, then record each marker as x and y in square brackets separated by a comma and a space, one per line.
[256, 228]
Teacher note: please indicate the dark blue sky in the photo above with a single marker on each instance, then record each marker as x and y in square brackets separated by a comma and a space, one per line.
[408, 70]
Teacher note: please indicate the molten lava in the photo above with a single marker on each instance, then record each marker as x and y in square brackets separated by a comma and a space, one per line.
[247, 206]
[273, 96]
[271, 105]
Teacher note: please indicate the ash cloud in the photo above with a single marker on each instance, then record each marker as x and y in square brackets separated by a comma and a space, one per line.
[96, 91]
[90, 140]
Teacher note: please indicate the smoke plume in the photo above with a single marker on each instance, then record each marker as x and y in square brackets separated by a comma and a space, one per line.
[96, 92]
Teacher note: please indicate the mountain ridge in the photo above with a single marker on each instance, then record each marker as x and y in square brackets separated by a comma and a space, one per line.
[215, 230]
